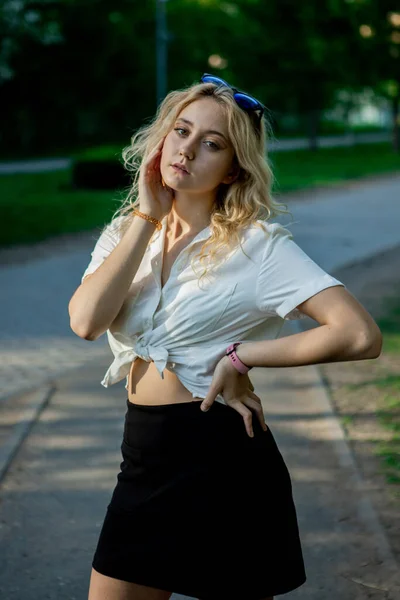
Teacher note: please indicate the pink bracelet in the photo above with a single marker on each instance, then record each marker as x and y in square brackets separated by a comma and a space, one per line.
[235, 360]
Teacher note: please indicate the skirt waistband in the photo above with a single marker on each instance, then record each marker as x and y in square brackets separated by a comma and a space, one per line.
[185, 427]
[160, 408]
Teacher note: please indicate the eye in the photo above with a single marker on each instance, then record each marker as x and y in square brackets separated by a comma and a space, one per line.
[213, 147]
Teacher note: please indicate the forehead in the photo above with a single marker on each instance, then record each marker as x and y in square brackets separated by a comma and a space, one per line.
[206, 113]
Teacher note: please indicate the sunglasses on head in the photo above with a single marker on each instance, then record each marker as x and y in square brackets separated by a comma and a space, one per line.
[245, 101]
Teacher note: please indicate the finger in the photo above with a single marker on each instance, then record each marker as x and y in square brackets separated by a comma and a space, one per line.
[246, 414]
[154, 153]
[159, 147]
[254, 403]
[208, 402]
[254, 396]
[258, 408]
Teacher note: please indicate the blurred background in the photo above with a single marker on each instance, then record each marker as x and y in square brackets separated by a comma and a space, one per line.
[77, 78]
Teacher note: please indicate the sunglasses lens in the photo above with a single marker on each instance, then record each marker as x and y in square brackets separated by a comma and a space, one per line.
[247, 102]
[215, 80]
[243, 100]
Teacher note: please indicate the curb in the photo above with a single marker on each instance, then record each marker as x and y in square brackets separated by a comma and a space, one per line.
[27, 418]
[366, 510]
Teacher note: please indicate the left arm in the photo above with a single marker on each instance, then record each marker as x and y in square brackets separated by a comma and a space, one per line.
[347, 332]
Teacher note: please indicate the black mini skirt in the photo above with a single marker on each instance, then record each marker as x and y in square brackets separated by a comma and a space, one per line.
[200, 508]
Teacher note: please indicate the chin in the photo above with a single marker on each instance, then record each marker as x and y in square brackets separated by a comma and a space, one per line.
[173, 183]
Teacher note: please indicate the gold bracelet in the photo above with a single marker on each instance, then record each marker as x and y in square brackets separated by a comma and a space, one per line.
[153, 220]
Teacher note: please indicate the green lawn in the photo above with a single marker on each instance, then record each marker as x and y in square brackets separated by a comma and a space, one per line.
[36, 206]
[297, 170]
[385, 387]
[389, 417]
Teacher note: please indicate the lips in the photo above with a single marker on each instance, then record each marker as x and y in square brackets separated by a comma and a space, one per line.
[180, 167]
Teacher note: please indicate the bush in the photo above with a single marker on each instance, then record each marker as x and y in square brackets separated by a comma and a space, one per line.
[99, 175]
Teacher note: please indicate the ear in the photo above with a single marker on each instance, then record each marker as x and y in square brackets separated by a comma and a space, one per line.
[232, 175]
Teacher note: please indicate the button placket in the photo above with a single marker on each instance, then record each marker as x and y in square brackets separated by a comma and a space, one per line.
[178, 261]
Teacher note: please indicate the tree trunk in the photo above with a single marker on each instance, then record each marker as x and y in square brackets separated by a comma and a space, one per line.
[313, 120]
[396, 124]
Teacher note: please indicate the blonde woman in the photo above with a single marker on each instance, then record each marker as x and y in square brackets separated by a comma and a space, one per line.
[192, 283]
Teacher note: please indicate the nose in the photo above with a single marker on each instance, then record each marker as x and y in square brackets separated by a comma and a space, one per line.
[186, 151]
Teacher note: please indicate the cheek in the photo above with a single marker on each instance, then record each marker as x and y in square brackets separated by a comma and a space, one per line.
[166, 151]
[219, 170]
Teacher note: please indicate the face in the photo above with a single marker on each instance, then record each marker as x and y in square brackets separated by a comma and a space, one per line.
[199, 140]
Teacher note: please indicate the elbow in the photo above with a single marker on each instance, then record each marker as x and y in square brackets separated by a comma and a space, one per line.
[82, 330]
[369, 343]
[79, 326]
[85, 333]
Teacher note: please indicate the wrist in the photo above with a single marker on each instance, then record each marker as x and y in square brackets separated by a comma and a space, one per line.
[238, 361]
[151, 212]
[148, 215]
[243, 355]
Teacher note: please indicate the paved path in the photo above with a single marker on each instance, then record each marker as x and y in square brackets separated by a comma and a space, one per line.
[36, 340]
[343, 225]
[54, 164]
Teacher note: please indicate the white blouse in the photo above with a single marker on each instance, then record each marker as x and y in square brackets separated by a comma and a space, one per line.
[186, 328]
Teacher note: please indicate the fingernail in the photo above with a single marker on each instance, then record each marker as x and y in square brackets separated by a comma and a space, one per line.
[204, 408]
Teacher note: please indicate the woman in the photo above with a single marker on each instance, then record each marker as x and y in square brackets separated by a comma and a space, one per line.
[203, 504]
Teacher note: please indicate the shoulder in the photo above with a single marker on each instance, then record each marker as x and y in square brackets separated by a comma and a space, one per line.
[270, 232]
[261, 236]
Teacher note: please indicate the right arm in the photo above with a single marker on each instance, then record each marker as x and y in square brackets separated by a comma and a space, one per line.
[99, 298]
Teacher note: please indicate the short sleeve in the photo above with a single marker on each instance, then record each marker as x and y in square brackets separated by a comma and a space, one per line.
[105, 244]
[288, 276]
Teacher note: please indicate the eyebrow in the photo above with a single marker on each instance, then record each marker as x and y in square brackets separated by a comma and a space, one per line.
[209, 131]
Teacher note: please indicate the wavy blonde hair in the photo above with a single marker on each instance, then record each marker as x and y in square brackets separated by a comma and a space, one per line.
[239, 204]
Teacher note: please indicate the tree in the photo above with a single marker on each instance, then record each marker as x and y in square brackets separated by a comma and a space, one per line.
[379, 36]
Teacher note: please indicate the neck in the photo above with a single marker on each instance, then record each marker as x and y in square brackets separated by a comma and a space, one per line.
[180, 224]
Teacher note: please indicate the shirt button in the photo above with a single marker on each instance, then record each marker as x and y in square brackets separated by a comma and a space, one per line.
[147, 322]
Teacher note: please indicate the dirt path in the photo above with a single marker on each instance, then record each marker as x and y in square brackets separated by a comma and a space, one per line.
[357, 394]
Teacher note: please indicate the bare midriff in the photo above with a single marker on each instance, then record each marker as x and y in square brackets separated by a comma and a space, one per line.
[145, 386]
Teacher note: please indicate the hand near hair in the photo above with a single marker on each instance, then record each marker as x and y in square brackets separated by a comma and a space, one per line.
[237, 391]
[155, 198]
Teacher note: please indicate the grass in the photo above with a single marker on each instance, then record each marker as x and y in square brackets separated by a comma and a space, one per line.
[105, 152]
[41, 205]
[37, 206]
[297, 170]
[388, 388]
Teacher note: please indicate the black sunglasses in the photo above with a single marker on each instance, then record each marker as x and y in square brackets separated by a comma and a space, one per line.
[245, 101]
